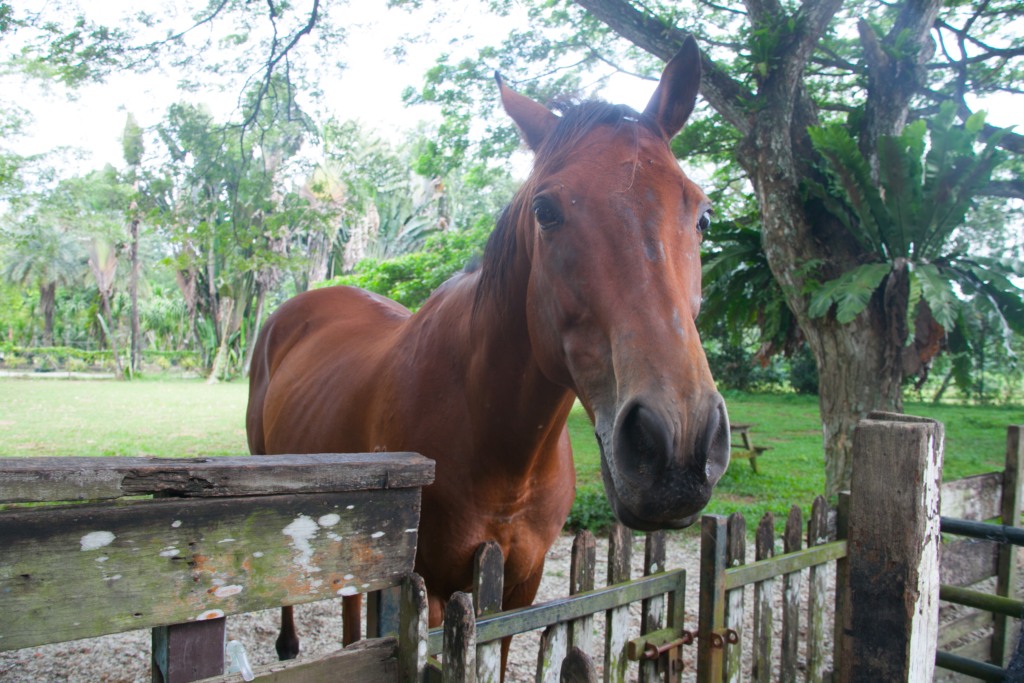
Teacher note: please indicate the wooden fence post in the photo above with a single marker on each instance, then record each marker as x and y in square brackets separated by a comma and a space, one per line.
[620, 551]
[817, 533]
[412, 630]
[488, 588]
[382, 612]
[764, 592]
[188, 652]
[652, 610]
[894, 546]
[577, 667]
[840, 644]
[791, 543]
[1004, 631]
[711, 616]
[735, 556]
[459, 640]
[581, 579]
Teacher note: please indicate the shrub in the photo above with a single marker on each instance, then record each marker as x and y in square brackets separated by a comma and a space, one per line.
[590, 510]
[803, 373]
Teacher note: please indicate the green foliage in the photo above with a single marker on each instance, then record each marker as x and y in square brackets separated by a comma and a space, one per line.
[590, 509]
[850, 292]
[927, 180]
[803, 372]
[735, 367]
[69, 358]
[410, 278]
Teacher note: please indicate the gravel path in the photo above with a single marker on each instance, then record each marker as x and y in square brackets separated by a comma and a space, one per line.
[125, 657]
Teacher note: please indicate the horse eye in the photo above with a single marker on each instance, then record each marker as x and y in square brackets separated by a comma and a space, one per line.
[546, 213]
[704, 222]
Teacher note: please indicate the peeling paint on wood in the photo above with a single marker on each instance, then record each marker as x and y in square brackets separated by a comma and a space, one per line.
[86, 570]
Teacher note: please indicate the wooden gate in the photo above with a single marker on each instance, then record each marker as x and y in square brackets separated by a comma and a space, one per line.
[208, 538]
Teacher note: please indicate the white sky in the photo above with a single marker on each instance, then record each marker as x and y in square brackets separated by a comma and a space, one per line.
[370, 87]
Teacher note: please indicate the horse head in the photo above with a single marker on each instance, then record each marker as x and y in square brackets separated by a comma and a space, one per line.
[612, 227]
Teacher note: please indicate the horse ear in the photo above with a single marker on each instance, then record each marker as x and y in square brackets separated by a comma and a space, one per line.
[673, 101]
[534, 120]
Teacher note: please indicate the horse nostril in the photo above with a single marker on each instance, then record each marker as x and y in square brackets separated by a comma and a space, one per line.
[644, 437]
[715, 442]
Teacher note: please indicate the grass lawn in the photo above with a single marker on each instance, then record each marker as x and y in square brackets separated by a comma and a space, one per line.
[793, 471]
[188, 418]
[167, 419]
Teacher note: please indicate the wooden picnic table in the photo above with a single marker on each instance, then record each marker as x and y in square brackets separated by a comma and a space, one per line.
[743, 446]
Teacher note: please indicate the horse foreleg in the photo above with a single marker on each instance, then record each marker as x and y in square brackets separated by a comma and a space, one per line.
[518, 596]
[351, 618]
[287, 643]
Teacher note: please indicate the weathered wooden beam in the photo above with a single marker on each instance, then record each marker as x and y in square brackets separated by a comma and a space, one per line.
[34, 480]
[368, 661]
[969, 623]
[86, 570]
[894, 526]
[774, 567]
[514, 622]
[967, 561]
[975, 497]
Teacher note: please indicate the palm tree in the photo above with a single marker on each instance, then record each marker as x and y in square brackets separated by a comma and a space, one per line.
[43, 255]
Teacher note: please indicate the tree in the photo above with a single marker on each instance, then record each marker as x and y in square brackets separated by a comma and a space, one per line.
[774, 71]
[41, 253]
[133, 148]
[233, 216]
[265, 41]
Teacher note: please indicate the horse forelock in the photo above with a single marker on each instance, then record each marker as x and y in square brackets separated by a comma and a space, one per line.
[575, 123]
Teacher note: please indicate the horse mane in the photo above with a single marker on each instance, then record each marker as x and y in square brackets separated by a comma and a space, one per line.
[575, 123]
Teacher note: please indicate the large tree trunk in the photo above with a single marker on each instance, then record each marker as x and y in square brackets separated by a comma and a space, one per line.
[250, 338]
[107, 321]
[47, 306]
[220, 361]
[133, 290]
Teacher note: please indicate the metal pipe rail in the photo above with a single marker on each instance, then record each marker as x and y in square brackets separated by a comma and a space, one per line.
[1000, 533]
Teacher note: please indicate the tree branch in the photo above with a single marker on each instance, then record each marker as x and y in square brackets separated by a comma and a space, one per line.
[726, 95]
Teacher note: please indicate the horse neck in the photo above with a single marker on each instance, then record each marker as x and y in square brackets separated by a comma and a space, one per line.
[514, 407]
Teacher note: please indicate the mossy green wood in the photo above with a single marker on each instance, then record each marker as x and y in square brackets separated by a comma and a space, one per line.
[87, 570]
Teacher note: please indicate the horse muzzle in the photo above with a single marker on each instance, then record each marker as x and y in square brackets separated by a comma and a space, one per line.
[662, 465]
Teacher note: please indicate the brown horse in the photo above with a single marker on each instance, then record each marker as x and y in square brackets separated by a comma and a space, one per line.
[588, 287]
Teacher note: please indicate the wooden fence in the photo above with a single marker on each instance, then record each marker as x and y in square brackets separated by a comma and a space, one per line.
[883, 631]
[980, 560]
[213, 538]
[887, 541]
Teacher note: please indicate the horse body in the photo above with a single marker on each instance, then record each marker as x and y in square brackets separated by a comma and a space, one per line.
[504, 466]
[588, 287]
